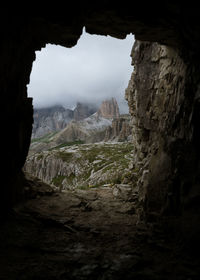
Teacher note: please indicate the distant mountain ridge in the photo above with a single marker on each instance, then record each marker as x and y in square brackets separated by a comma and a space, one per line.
[83, 110]
[88, 130]
[47, 120]
[106, 124]
[55, 118]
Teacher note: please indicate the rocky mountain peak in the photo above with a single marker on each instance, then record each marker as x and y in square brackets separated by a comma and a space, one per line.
[109, 109]
[83, 111]
[51, 119]
[56, 118]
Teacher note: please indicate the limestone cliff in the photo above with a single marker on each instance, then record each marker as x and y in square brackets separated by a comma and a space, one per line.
[94, 128]
[55, 118]
[48, 120]
[89, 130]
[83, 165]
[155, 96]
[120, 130]
[83, 111]
[174, 23]
[109, 109]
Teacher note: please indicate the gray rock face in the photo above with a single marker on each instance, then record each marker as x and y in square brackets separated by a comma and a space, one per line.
[94, 128]
[53, 119]
[155, 96]
[89, 130]
[81, 165]
[109, 109]
[120, 130]
[83, 111]
[173, 23]
[48, 120]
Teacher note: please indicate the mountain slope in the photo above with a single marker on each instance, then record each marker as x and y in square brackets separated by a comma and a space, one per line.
[104, 125]
[89, 130]
[48, 120]
[55, 118]
[82, 165]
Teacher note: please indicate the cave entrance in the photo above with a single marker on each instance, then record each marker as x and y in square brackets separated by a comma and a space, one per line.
[81, 134]
[118, 255]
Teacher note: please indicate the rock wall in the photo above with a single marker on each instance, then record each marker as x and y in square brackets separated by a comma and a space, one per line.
[82, 165]
[170, 167]
[83, 111]
[155, 95]
[48, 120]
[158, 96]
[109, 109]
[120, 130]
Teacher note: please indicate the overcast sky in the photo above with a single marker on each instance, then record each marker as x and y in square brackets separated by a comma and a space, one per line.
[97, 68]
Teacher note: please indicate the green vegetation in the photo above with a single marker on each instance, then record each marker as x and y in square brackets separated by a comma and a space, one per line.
[85, 187]
[65, 156]
[40, 156]
[109, 152]
[68, 144]
[90, 165]
[57, 181]
[44, 139]
[109, 161]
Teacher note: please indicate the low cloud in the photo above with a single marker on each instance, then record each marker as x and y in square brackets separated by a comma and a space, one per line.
[98, 67]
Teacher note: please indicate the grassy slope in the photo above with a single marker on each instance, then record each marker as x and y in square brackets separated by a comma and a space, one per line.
[98, 164]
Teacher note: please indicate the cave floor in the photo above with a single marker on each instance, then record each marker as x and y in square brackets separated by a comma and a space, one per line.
[87, 234]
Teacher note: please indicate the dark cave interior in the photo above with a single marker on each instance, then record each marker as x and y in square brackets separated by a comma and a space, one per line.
[174, 163]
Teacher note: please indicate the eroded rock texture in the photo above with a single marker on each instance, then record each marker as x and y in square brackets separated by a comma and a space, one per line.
[81, 166]
[48, 120]
[120, 129]
[83, 111]
[109, 109]
[164, 132]
[167, 108]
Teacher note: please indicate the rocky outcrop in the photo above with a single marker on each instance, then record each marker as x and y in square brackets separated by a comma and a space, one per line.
[55, 118]
[156, 97]
[120, 130]
[94, 128]
[83, 111]
[48, 120]
[175, 24]
[82, 165]
[109, 109]
[89, 130]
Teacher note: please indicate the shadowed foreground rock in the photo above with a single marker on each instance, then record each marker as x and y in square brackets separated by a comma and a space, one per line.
[165, 94]
[87, 234]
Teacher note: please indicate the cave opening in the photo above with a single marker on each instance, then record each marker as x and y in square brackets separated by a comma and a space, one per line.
[92, 195]
[166, 146]
[81, 113]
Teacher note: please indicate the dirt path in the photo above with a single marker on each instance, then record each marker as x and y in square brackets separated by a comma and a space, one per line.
[87, 234]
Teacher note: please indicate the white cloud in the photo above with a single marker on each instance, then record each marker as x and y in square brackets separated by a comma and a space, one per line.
[98, 67]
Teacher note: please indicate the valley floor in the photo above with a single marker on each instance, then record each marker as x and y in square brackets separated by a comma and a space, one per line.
[87, 234]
